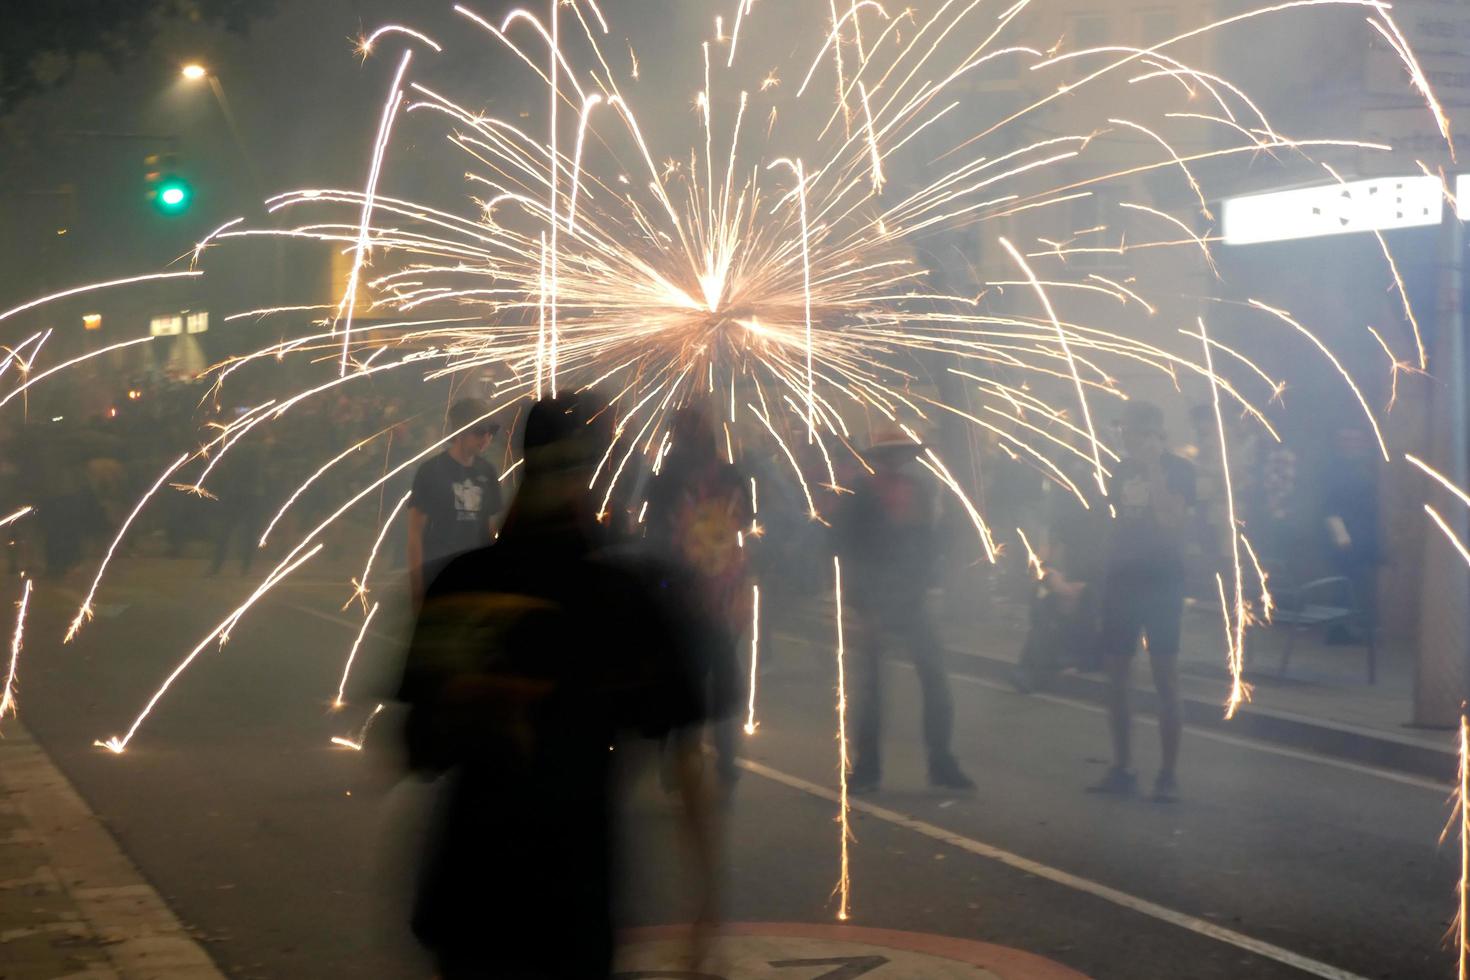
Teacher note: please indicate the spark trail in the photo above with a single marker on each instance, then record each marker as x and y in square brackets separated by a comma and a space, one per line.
[776, 251]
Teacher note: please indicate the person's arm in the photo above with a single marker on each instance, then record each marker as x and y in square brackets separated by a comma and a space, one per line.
[417, 522]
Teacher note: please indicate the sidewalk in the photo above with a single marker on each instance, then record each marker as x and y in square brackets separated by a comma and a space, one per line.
[71, 904]
[1323, 704]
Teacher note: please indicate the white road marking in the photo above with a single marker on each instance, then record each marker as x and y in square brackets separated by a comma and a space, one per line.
[1066, 879]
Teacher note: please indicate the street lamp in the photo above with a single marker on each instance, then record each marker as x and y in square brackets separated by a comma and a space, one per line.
[195, 71]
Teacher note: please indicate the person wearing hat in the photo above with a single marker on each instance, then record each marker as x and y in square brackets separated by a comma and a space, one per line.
[455, 497]
[888, 536]
[1150, 493]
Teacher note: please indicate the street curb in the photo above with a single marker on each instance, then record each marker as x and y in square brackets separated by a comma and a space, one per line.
[136, 930]
[1382, 749]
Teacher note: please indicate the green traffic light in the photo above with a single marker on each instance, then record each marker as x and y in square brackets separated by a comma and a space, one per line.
[173, 195]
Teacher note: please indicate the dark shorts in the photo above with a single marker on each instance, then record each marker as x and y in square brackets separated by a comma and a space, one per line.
[1149, 608]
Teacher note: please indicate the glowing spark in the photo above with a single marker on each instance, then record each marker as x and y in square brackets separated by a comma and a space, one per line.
[844, 882]
[755, 632]
[1396, 40]
[356, 744]
[1071, 363]
[591, 102]
[1462, 816]
[34, 379]
[305, 484]
[85, 611]
[806, 291]
[874, 159]
[1450, 535]
[933, 463]
[1439, 478]
[118, 744]
[338, 702]
[742, 7]
[7, 697]
[367, 44]
[811, 506]
[204, 242]
[555, 160]
[1032, 560]
[1286, 318]
[348, 306]
[32, 304]
[12, 518]
[1240, 691]
[361, 581]
[1268, 603]
[266, 311]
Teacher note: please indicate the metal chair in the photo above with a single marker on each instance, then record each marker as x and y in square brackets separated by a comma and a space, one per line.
[1322, 604]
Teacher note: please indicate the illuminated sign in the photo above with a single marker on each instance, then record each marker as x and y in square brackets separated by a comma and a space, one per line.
[170, 325]
[1380, 204]
[196, 322]
[91, 321]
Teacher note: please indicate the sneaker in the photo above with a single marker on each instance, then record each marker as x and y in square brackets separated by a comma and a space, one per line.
[949, 775]
[1118, 782]
[1166, 788]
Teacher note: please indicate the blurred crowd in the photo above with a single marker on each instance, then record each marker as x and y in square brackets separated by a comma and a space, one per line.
[85, 473]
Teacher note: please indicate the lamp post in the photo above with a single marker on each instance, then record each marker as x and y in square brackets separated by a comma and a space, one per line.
[194, 72]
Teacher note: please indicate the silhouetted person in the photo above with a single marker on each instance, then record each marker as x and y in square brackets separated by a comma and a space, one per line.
[1151, 492]
[698, 509]
[889, 541]
[456, 496]
[242, 484]
[529, 660]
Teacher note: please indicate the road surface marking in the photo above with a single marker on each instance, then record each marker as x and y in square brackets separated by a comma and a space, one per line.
[1066, 879]
[807, 951]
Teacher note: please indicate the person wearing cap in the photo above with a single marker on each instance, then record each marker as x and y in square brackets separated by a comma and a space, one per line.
[888, 537]
[1150, 493]
[455, 496]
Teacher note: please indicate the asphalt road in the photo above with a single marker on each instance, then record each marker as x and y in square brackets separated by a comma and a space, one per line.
[287, 853]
